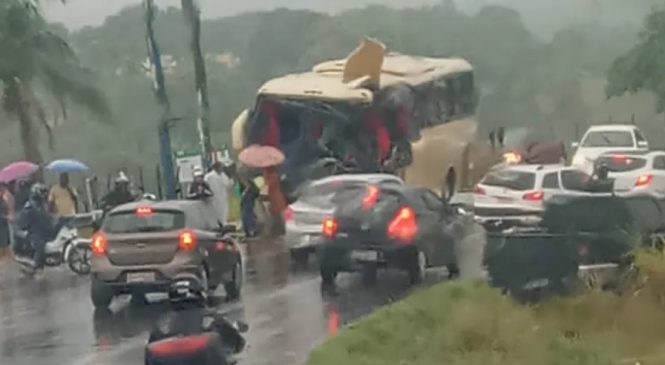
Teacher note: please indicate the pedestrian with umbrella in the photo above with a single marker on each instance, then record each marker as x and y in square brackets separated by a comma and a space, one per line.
[268, 158]
[62, 198]
[19, 175]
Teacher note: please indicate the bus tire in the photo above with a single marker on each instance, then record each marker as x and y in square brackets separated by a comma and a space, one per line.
[451, 181]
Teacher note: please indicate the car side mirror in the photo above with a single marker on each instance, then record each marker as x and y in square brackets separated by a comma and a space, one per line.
[241, 326]
[575, 144]
[642, 144]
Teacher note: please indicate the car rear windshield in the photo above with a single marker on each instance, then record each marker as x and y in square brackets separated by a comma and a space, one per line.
[510, 179]
[133, 222]
[336, 191]
[608, 139]
[617, 163]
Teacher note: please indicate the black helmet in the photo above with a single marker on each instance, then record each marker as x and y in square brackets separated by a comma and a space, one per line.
[38, 192]
[187, 288]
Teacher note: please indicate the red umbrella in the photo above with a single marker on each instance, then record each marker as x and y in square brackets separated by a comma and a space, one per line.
[259, 156]
[17, 170]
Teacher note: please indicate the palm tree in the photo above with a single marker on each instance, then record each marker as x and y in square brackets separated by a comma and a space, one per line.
[31, 56]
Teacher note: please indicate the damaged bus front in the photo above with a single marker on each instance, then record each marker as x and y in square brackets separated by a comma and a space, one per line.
[371, 112]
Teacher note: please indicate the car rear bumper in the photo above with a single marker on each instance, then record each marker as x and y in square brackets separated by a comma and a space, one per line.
[117, 276]
[344, 254]
[303, 238]
[524, 220]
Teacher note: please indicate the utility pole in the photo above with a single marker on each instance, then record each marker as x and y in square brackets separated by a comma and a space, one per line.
[192, 15]
[154, 55]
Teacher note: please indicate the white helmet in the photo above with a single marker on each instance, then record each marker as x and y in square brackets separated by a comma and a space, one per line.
[198, 171]
[121, 178]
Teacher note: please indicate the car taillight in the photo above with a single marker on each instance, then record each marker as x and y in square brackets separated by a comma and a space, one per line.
[479, 190]
[403, 227]
[287, 214]
[643, 180]
[534, 196]
[329, 228]
[186, 240]
[371, 196]
[178, 345]
[98, 244]
[512, 157]
[143, 211]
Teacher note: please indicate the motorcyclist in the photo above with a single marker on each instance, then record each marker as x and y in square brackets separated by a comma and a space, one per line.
[199, 188]
[190, 317]
[120, 194]
[36, 224]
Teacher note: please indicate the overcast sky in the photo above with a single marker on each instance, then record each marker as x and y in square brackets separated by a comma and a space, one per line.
[77, 13]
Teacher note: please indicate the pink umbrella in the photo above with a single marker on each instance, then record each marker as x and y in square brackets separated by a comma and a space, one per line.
[17, 170]
[267, 158]
[259, 156]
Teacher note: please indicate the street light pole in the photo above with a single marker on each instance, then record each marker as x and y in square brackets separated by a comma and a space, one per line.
[192, 15]
[160, 92]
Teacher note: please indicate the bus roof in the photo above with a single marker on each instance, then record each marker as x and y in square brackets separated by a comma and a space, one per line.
[325, 80]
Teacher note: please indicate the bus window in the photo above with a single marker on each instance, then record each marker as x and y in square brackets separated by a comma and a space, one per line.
[463, 94]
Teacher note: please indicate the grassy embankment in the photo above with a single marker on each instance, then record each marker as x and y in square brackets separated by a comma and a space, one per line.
[468, 323]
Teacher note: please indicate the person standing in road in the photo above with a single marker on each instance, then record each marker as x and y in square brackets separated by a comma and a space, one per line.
[249, 193]
[5, 212]
[220, 184]
[62, 199]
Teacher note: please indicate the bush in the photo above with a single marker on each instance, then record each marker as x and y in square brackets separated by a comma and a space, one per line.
[467, 322]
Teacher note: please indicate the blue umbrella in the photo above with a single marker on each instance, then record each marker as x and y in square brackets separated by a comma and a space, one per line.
[66, 166]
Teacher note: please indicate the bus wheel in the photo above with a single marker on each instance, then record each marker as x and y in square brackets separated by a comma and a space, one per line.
[451, 180]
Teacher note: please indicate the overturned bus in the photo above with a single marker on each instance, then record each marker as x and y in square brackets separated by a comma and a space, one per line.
[373, 112]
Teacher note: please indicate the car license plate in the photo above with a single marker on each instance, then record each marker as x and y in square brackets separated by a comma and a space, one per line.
[141, 277]
[365, 255]
[536, 284]
[305, 240]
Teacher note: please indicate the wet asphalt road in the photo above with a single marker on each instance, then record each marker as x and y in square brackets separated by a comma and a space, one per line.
[53, 322]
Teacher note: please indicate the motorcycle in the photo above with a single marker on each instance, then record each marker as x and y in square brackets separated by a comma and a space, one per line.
[193, 333]
[65, 247]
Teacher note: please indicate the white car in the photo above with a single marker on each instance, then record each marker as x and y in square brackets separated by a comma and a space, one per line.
[515, 195]
[601, 139]
[304, 217]
[636, 172]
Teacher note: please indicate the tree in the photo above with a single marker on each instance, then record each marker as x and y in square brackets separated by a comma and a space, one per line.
[641, 68]
[35, 58]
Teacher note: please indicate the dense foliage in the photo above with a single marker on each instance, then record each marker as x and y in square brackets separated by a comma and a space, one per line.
[34, 57]
[642, 67]
[556, 85]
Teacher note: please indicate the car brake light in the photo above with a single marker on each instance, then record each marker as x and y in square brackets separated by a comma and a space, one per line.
[403, 227]
[98, 244]
[619, 158]
[479, 190]
[287, 214]
[643, 180]
[534, 196]
[186, 240]
[143, 211]
[512, 157]
[178, 345]
[329, 227]
[371, 196]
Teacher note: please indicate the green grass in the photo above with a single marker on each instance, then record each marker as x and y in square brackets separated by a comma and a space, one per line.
[468, 323]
